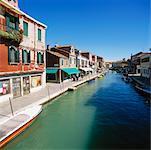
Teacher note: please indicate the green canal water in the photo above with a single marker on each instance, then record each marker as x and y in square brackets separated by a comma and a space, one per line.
[105, 113]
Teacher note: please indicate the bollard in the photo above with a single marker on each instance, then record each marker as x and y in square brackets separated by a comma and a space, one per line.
[11, 106]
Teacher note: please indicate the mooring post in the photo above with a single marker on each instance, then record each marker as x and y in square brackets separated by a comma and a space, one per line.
[11, 106]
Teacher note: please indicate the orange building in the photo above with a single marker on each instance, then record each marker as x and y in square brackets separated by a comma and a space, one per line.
[22, 52]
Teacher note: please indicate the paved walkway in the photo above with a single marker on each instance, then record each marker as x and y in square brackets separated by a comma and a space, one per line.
[42, 96]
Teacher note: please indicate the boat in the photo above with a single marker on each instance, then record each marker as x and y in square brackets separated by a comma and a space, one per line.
[101, 76]
[13, 126]
[144, 90]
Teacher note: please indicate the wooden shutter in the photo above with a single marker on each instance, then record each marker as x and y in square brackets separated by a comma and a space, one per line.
[22, 56]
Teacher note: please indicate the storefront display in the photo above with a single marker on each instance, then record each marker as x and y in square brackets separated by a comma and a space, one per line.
[26, 85]
[16, 87]
[4, 87]
[35, 81]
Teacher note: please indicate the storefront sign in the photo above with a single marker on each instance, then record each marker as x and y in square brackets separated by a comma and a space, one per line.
[35, 81]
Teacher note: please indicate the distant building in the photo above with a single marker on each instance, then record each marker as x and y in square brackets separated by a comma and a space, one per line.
[83, 64]
[134, 63]
[145, 65]
[88, 55]
[100, 64]
[62, 59]
[119, 64]
[108, 65]
[54, 63]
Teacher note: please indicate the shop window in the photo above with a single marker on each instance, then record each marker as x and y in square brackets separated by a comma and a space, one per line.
[26, 85]
[40, 57]
[51, 77]
[16, 87]
[4, 87]
[13, 55]
[25, 56]
[35, 81]
[25, 28]
[39, 34]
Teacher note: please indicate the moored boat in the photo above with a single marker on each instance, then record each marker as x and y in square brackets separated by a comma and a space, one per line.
[16, 124]
[144, 90]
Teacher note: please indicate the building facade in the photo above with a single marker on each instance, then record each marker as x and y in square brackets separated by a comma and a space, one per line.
[63, 60]
[22, 52]
[145, 65]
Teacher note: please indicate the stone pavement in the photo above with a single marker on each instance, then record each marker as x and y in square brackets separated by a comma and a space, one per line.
[42, 96]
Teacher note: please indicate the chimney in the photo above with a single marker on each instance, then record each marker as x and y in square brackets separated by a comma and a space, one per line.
[48, 47]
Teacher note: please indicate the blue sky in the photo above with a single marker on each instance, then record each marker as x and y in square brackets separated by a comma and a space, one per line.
[111, 28]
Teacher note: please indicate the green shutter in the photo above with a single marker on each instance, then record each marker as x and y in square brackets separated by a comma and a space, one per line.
[28, 60]
[39, 35]
[17, 57]
[38, 57]
[9, 55]
[22, 56]
[17, 23]
[43, 58]
[25, 27]
[7, 23]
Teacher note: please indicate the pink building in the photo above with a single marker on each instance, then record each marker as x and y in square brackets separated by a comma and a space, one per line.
[22, 52]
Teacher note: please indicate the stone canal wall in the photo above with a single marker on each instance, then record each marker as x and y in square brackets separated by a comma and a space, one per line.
[41, 97]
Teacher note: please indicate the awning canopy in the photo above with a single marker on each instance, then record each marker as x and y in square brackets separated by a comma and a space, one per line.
[86, 69]
[51, 71]
[70, 71]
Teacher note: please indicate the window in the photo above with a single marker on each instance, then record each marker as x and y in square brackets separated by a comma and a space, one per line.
[40, 57]
[39, 35]
[12, 22]
[66, 62]
[13, 55]
[62, 62]
[36, 81]
[145, 60]
[4, 87]
[74, 61]
[70, 60]
[51, 76]
[25, 28]
[25, 56]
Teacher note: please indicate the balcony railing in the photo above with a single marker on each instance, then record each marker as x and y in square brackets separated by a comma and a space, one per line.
[11, 34]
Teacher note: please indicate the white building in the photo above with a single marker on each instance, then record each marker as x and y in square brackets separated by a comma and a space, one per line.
[145, 65]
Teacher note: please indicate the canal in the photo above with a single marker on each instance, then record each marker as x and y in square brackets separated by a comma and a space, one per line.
[105, 113]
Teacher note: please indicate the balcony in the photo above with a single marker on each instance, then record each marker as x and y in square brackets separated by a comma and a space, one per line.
[10, 34]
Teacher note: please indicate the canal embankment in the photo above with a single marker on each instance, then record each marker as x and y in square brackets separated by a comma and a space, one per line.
[41, 97]
[106, 113]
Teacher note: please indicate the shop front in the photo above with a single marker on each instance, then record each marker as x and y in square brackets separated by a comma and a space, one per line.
[4, 87]
[16, 86]
[26, 85]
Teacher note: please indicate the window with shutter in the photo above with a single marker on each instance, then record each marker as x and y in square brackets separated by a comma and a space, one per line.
[39, 34]
[13, 55]
[25, 56]
[25, 28]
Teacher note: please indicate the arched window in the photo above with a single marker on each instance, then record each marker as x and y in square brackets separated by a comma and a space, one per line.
[25, 56]
[13, 54]
[40, 57]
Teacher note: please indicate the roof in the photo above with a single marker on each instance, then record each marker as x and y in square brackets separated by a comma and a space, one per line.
[18, 11]
[57, 54]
